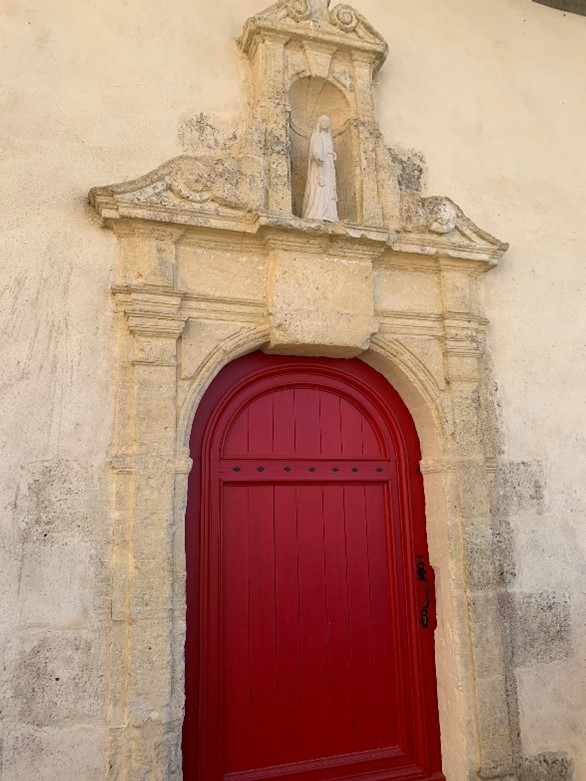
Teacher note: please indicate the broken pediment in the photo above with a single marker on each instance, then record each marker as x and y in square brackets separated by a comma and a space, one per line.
[437, 225]
[307, 59]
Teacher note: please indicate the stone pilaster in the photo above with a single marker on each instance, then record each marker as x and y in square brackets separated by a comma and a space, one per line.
[143, 717]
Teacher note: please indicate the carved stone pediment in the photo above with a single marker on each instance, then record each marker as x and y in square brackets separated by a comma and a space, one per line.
[194, 188]
[185, 189]
[341, 25]
[438, 225]
[306, 59]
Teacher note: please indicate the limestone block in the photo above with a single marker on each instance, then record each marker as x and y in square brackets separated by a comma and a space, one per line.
[540, 627]
[426, 351]
[56, 584]
[399, 289]
[214, 274]
[551, 699]
[73, 753]
[519, 487]
[546, 767]
[494, 726]
[468, 415]
[546, 554]
[462, 366]
[199, 338]
[53, 677]
[57, 500]
[457, 291]
[150, 671]
[8, 581]
[474, 495]
[320, 304]
[480, 559]
[155, 750]
[148, 255]
[485, 611]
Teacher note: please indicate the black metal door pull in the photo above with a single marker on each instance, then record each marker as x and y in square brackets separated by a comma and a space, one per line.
[422, 576]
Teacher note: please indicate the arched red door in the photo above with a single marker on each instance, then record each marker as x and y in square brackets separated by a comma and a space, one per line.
[307, 657]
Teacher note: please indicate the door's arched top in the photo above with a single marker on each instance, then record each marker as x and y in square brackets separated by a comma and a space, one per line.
[301, 420]
[269, 405]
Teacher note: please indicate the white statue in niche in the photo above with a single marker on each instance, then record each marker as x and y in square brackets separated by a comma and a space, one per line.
[321, 198]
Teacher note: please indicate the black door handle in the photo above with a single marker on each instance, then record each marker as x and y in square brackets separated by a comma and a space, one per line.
[422, 576]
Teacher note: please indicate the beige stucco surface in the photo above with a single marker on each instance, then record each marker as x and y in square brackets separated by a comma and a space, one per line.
[492, 95]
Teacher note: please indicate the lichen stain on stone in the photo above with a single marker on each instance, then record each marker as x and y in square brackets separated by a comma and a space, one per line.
[541, 627]
[411, 169]
[519, 487]
[206, 132]
[54, 499]
[546, 767]
[55, 678]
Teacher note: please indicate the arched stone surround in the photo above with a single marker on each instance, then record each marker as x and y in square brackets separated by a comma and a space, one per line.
[171, 344]
[204, 276]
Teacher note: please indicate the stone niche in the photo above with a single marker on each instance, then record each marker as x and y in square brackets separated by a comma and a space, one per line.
[215, 261]
[310, 96]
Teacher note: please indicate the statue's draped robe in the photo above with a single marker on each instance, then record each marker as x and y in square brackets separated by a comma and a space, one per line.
[321, 200]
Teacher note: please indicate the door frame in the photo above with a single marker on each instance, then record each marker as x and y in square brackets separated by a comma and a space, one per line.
[167, 355]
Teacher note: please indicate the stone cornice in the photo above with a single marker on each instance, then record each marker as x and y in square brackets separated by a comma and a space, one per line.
[253, 232]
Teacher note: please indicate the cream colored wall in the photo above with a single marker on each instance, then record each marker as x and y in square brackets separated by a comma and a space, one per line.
[492, 94]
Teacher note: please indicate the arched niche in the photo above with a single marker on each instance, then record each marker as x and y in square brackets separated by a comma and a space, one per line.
[309, 97]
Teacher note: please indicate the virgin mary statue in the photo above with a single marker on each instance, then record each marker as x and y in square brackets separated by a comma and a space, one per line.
[321, 200]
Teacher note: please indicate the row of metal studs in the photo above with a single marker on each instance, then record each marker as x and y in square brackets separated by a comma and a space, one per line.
[310, 469]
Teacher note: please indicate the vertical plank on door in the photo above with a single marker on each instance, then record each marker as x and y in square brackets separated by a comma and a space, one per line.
[315, 740]
[263, 651]
[236, 662]
[359, 608]
[338, 622]
[289, 700]
[386, 701]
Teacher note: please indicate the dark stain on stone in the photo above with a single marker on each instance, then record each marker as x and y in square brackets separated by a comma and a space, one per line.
[55, 679]
[504, 553]
[519, 486]
[546, 767]
[54, 501]
[540, 627]
[410, 168]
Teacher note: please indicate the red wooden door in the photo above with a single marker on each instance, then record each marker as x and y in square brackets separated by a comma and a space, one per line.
[306, 657]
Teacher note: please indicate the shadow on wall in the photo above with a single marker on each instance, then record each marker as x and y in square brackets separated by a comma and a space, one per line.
[309, 97]
[571, 6]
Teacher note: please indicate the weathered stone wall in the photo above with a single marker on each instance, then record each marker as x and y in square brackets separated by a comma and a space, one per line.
[490, 97]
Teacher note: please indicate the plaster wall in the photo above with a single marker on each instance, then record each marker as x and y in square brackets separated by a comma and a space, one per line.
[493, 96]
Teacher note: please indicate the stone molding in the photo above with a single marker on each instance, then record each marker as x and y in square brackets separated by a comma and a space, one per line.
[213, 264]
